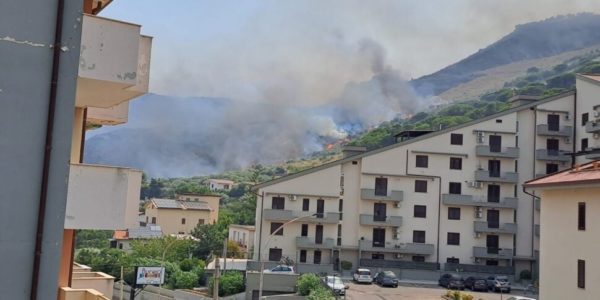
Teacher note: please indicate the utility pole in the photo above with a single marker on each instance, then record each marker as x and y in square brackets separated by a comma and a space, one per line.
[216, 281]
[133, 285]
[225, 255]
[121, 293]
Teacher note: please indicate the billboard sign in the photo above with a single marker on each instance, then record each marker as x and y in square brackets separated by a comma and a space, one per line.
[150, 275]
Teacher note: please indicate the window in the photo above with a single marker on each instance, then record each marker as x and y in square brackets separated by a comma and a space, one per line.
[581, 216]
[274, 227]
[418, 236]
[495, 143]
[585, 118]
[455, 188]
[493, 193]
[121, 246]
[304, 230]
[317, 257]
[418, 258]
[341, 208]
[421, 186]
[339, 235]
[422, 161]
[420, 211]
[452, 260]
[456, 139]
[275, 254]
[302, 256]
[354, 162]
[183, 221]
[581, 273]
[278, 203]
[553, 122]
[498, 120]
[381, 186]
[146, 219]
[584, 144]
[453, 238]
[153, 220]
[491, 262]
[201, 221]
[305, 204]
[551, 168]
[494, 168]
[377, 256]
[455, 163]
[453, 213]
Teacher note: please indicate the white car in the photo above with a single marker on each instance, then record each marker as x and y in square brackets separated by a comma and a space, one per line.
[363, 275]
[519, 298]
[336, 284]
[281, 269]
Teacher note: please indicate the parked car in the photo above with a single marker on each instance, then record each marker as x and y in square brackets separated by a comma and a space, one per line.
[498, 284]
[476, 283]
[363, 275]
[386, 278]
[336, 284]
[281, 269]
[452, 281]
[520, 298]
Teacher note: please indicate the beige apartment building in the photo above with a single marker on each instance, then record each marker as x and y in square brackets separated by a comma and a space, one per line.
[569, 266]
[243, 235]
[182, 215]
[446, 200]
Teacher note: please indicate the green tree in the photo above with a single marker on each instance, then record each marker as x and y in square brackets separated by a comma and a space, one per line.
[231, 283]
[93, 238]
[307, 283]
[177, 249]
[211, 237]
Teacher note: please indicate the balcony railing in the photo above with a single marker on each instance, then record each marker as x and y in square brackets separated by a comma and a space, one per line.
[497, 253]
[542, 129]
[506, 177]
[508, 152]
[552, 155]
[370, 220]
[483, 227]
[400, 264]
[369, 194]
[114, 62]
[286, 215]
[67, 293]
[467, 268]
[101, 197]
[310, 243]
[592, 127]
[403, 248]
[469, 200]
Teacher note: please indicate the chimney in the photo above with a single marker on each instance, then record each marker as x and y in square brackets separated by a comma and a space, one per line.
[348, 151]
[519, 100]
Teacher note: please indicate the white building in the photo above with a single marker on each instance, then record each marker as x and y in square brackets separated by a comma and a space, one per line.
[220, 184]
[446, 200]
[243, 235]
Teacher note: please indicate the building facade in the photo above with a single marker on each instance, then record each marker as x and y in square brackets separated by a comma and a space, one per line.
[569, 267]
[180, 216]
[220, 184]
[447, 200]
[243, 235]
[63, 69]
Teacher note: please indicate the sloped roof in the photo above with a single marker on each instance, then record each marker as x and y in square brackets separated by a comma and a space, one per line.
[420, 138]
[583, 174]
[592, 78]
[146, 232]
[180, 204]
[221, 181]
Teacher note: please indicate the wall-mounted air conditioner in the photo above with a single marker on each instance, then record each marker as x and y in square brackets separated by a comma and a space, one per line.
[397, 204]
[567, 140]
[293, 197]
[475, 184]
[399, 255]
[478, 212]
[477, 235]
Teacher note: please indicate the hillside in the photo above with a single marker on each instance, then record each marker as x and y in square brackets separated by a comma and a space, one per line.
[534, 40]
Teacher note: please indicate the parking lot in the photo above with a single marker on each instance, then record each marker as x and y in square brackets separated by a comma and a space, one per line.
[375, 292]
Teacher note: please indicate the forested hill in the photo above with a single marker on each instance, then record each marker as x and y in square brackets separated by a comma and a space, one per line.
[528, 41]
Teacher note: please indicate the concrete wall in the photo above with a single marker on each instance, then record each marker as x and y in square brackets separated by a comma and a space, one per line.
[98, 281]
[26, 59]
[279, 283]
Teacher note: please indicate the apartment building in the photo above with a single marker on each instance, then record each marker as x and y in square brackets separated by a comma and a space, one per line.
[63, 69]
[180, 216]
[243, 235]
[445, 200]
[569, 267]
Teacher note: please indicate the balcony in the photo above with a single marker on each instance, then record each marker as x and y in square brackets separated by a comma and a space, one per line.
[370, 220]
[592, 127]
[482, 227]
[369, 194]
[542, 129]
[552, 155]
[286, 215]
[115, 115]
[98, 281]
[506, 177]
[101, 197]
[508, 152]
[469, 200]
[402, 248]
[494, 253]
[67, 293]
[114, 62]
[309, 243]
[537, 230]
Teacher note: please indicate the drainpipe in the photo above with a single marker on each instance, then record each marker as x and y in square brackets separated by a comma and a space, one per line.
[574, 142]
[37, 256]
[535, 134]
[439, 178]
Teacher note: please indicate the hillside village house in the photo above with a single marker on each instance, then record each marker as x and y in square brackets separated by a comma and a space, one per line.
[243, 235]
[568, 232]
[220, 184]
[447, 200]
[180, 216]
[122, 238]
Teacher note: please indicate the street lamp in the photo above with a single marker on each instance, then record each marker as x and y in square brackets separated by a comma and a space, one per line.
[162, 263]
[262, 261]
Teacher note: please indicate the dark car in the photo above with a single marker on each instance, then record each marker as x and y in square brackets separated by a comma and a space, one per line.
[452, 281]
[386, 278]
[476, 283]
[498, 284]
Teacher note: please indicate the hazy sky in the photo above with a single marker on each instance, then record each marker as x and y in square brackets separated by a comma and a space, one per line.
[306, 52]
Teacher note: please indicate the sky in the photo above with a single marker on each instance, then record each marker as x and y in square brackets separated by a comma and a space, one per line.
[307, 52]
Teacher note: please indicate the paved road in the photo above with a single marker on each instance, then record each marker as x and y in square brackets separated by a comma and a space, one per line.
[375, 292]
